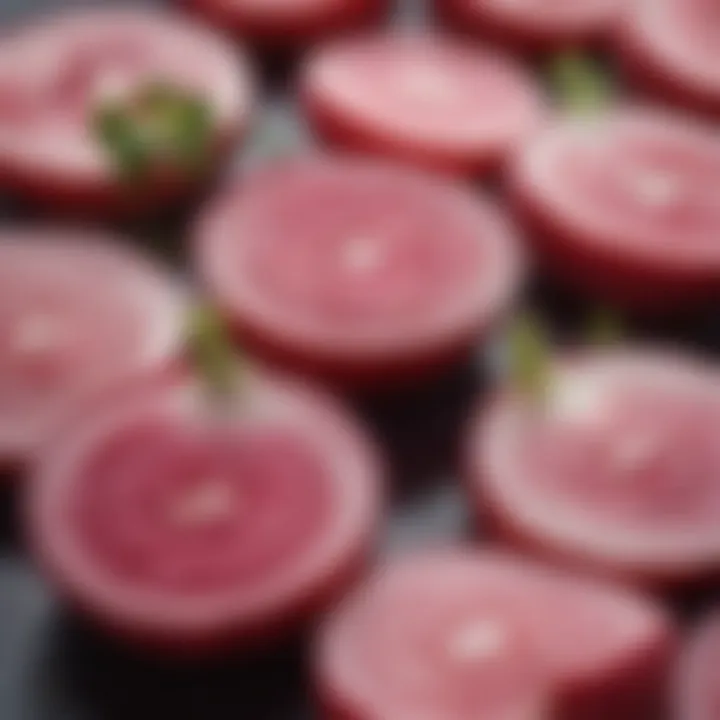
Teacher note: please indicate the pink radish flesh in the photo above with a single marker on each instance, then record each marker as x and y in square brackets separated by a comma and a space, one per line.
[618, 473]
[423, 99]
[356, 269]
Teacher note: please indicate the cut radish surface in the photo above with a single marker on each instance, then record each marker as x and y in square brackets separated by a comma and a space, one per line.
[355, 270]
[76, 311]
[626, 207]
[289, 24]
[461, 635]
[74, 63]
[423, 99]
[532, 24]
[697, 687]
[672, 49]
[618, 472]
[181, 525]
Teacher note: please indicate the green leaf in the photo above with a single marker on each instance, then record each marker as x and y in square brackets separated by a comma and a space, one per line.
[605, 328]
[122, 142]
[213, 353]
[530, 357]
[158, 125]
[580, 83]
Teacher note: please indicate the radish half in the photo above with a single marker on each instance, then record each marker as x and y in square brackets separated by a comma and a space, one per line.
[71, 65]
[670, 48]
[190, 527]
[532, 25]
[459, 634]
[616, 473]
[356, 271]
[625, 207]
[422, 99]
[78, 311]
[281, 25]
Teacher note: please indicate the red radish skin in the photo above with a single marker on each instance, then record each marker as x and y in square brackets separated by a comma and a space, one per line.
[670, 50]
[363, 273]
[288, 25]
[625, 208]
[616, 475]
[71, 63]
[78, 311]
[696, 688]
[532, 25]
[423, 99]
[460, 634]
[185, 527]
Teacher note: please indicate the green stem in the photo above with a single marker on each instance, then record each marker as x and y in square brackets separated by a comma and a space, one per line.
[213, 353]
[530, 358]
[158, 124]
[581, 85]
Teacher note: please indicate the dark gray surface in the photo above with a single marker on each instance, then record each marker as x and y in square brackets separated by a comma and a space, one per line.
[52, 668]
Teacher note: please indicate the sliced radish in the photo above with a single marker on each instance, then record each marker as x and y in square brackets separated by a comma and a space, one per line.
[672, 49]
[625, 207]
[288, 24]
[618, 472]
[181, 525]
[697, 686]
[77, 311]
[74, 63]
[423, 99]
[357, 271]
[532, 24]
[461, 634]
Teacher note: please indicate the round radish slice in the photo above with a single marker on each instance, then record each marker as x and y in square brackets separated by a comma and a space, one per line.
[532, 24]
[460, 635]
[617, 472]
[75, 64]
[179, 524]
[423, 99]
[289, 24]
[697, 687]
[625, 207]
[672, 49]
[358, 271]
[76, 312]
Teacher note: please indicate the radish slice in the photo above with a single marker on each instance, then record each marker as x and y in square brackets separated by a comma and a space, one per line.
[77, 61]
[672, 49]
[354, 270]
[288, 24]
[461, 635]
[532, 24]
[184, 526]
[77, 312]
[423, 99]
[625, 207]
[617, 473]
[697, 690]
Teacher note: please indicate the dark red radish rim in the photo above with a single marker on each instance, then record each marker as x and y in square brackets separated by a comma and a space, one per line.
[540, 20]
[535, 181]
[288, 25]
[454, 138]
[54, 143]
[231, 613]
[158, 302]
[657, 30]
[504, 492]
[250, 305]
